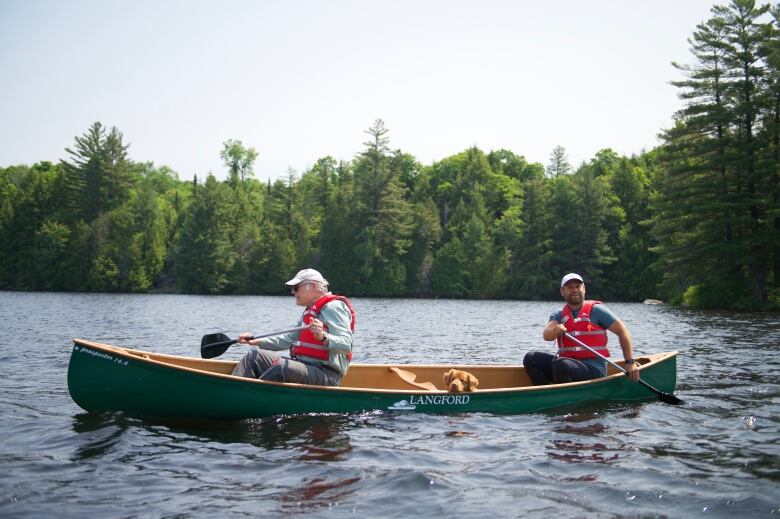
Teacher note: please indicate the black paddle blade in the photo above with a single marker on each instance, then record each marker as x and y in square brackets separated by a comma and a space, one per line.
[666, 398]
[213, 338]
[214, 345]
[669, 399]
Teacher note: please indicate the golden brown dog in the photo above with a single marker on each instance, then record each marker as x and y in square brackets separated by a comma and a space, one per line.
[458, 381]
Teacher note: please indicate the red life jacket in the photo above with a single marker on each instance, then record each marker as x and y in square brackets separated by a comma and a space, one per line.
[307, 344]
[583, 329]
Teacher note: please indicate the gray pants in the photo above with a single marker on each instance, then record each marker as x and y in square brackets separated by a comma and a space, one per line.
[275, 368]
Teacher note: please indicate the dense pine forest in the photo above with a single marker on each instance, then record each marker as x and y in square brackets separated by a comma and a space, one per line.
[694, 221]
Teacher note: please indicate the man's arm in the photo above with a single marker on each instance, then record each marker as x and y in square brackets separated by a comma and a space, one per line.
[553, 330]
[337, 317]
[275, 342]
[619, 329]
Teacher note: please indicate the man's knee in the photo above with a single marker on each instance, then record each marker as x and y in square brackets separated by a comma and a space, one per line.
[562, 370]
[536, 358]
[254, 364]
[273, 370]
[244, 368]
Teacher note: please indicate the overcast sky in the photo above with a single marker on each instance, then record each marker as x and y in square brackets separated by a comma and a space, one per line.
[300, 80]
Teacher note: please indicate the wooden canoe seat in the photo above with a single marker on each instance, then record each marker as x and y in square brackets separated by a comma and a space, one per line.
[408, 377]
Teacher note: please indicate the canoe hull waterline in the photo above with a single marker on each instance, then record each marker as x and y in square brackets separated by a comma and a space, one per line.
[104, 378]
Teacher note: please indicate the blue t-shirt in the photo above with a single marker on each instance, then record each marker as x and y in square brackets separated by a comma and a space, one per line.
[599, 315]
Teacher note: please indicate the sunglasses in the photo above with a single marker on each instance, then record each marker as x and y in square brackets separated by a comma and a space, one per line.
[299, 285]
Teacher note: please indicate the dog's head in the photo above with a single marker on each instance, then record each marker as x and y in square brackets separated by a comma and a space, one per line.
[457, 381]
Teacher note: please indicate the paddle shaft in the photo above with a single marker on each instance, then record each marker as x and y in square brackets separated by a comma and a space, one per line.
[665, 397]
[252, 337]
[280, 332]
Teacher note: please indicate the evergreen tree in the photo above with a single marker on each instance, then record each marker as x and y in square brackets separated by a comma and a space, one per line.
[631, 277]
[747, 37]
[449, 272]
[23, 214]
[713, 226]
[149, 238]
[533, 256]
[99, 176]
[565, 220]
[425, 236]
[340, 260]
[384, 216]
[771, 135]
[204, 254]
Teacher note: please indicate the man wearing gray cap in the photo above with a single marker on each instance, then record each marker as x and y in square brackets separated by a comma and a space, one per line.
[588, 321]
[320, 353]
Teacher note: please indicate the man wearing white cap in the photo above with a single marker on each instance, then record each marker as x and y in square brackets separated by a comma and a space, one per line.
[319, 354]
[588, 321]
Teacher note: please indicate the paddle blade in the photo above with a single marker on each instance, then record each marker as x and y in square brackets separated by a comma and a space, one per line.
[666, 398]
[669, 399]
[214, 345]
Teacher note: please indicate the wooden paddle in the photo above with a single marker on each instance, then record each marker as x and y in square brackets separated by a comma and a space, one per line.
[666, 398]
[215, 344]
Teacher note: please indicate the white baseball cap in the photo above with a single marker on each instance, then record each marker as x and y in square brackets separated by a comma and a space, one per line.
[307, 275]
[569, 277]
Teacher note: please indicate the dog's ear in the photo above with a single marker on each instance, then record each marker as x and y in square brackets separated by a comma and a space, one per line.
[472, 382]
[447, 377]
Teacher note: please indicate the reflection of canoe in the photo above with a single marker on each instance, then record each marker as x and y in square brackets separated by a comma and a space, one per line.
[110, 378]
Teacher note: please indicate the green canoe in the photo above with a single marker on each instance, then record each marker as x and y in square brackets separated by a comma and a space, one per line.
[109, 378]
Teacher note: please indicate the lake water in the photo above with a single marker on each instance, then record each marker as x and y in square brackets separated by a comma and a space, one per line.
[716, 456]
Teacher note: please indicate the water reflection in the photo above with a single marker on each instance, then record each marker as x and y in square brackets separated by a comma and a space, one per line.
[325, 441]
[589, 411]
[99, 432]
[315, 437]
[580, 452]
[593, 446]
[319, 492]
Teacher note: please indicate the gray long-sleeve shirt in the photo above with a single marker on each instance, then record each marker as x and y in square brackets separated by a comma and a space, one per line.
[337, 317]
